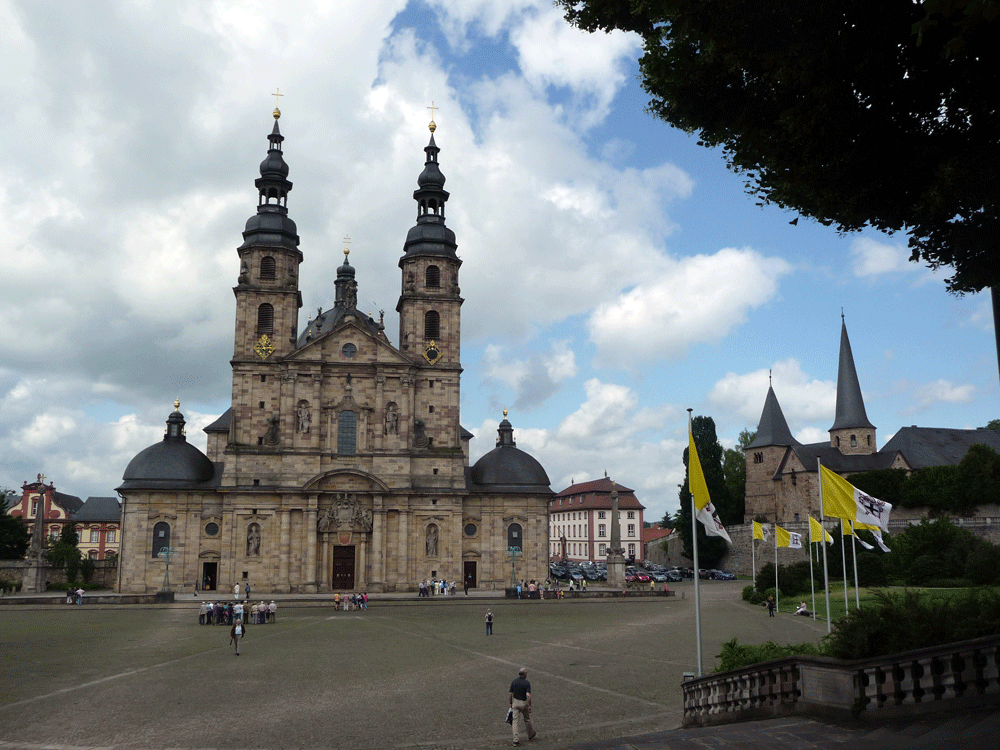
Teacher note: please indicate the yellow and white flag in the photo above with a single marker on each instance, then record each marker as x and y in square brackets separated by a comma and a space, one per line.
[788, 538]
[817, 533]
[841, 499]
[699, 489]
[876, 532]
[849, 531]
[760, 531]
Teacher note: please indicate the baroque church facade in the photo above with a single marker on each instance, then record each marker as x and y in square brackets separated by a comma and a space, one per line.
[341, 464]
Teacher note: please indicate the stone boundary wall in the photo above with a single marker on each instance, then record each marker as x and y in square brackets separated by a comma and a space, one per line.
[957, 675]
[105, 573]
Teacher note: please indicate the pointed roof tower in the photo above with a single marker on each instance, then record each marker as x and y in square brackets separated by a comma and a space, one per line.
[772, 429]
[430, 236]
[850, 404]
[270, 226]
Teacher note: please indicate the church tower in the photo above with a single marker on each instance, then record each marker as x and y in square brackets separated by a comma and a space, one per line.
[764, 457]
[852, 433]
[429, 308]
[267, 301]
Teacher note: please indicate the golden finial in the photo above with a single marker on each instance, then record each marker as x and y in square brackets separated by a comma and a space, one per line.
[504, 413]
[347, 241]
[432, 127]
[177, 404]
[277, 112]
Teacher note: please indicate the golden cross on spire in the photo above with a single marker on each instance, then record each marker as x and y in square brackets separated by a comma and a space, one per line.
[276, 94]
[432, 126]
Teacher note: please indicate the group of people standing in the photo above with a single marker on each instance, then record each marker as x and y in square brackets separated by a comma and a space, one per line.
[218, 613]
[351, 602]
[434, 586]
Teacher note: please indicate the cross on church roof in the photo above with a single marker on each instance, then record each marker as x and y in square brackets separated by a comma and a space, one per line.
[276, 94]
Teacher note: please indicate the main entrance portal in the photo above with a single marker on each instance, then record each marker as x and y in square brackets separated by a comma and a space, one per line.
[343, 568]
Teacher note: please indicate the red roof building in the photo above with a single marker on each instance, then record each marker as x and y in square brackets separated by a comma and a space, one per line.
[580, 521]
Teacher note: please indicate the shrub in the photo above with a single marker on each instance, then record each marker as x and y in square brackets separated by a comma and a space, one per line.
[923, 569]
[752, 595]
[735, 655]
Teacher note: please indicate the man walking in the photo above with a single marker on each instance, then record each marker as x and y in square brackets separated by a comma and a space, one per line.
[520, 703]
[489, 622]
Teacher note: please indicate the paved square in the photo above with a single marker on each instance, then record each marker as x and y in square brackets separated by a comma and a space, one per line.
[406, 673]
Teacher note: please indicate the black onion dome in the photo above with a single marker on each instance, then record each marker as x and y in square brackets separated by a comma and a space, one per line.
[171, 462]
[271, 226]
[430, 236]
[507, 468]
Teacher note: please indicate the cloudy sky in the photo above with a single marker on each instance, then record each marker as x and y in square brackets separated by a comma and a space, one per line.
[614, 273]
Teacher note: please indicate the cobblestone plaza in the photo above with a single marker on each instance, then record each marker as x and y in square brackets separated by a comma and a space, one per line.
[406, 673]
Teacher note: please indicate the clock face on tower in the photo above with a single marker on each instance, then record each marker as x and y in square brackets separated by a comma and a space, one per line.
[432, 353]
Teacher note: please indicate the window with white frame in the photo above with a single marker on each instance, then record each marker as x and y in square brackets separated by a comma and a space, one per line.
[631, 514]
[631, 529]
[95, 536]
[600, 514]
[602, 550]
[631, 550]
[112, 536]
[602, 529]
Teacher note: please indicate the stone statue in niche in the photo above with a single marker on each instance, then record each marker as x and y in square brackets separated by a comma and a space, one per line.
[253, 540]
[271, 436]
[352, 295]
[411, 283]
[304, 417]
[432, 540]
[391, 419]
[244, 273]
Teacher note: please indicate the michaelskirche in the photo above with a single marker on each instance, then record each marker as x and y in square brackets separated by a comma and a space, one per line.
[341, 464]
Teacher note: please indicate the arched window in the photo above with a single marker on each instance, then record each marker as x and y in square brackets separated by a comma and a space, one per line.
[347, 433]
[265, 319]
[267, 267]
[514, 538]
[432, 325]
[854, 441]
[433, 276]
[161, 537]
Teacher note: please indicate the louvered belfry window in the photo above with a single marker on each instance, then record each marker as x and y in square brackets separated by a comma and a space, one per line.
[265, 319]
[432, 325]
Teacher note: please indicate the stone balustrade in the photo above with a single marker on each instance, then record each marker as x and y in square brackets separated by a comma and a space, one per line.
[965, 674]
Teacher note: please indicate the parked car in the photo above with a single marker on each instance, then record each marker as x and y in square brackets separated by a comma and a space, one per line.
[724, 575]
[660, 577]
[642, 577]
[673, 575]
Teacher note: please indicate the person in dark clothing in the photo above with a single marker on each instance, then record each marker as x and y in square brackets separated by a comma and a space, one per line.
[520, 703]
[770, 606]
[489, 622]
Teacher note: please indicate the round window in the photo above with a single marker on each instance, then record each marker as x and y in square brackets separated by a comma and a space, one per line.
[211, 529]
[470, 529]
[349, 350]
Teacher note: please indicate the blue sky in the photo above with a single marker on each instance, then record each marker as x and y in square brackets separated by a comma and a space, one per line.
[615, 273]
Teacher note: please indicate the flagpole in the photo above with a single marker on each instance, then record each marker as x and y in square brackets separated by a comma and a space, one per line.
[826, 569]
[697, 571]
[843, 566]
[753, 555]
[776, 596]
[854, 554]
[812, 580]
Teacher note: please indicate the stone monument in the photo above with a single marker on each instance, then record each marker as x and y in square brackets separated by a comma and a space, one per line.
[616, 553]
[36, 572]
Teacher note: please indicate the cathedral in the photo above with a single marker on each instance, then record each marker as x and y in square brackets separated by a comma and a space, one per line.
[341, 464]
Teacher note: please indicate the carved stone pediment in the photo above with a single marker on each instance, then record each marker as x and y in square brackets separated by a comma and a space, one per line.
[348, 512]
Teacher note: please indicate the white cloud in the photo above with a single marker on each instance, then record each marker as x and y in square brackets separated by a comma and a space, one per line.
[691, 300]
[532, 379]
[873, 258]
[802, 399]
[943, 391]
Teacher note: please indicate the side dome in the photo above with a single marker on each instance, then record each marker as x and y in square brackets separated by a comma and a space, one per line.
[508, 468]
[171, 462]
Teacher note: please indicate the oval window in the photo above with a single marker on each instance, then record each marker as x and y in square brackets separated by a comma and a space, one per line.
[349, 350]
[470, 529]
[211, 529]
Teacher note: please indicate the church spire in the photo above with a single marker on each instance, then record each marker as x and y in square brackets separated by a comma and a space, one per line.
[772, 429]
[430, 236]
[850, 404]
[270, 226]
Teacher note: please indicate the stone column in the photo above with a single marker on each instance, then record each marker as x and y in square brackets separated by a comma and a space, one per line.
[378, 547]
[326, 543]
[309, 562]
[284, 550]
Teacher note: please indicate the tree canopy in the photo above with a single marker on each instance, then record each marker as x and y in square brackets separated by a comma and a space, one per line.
[852, 113]
[14, 537]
